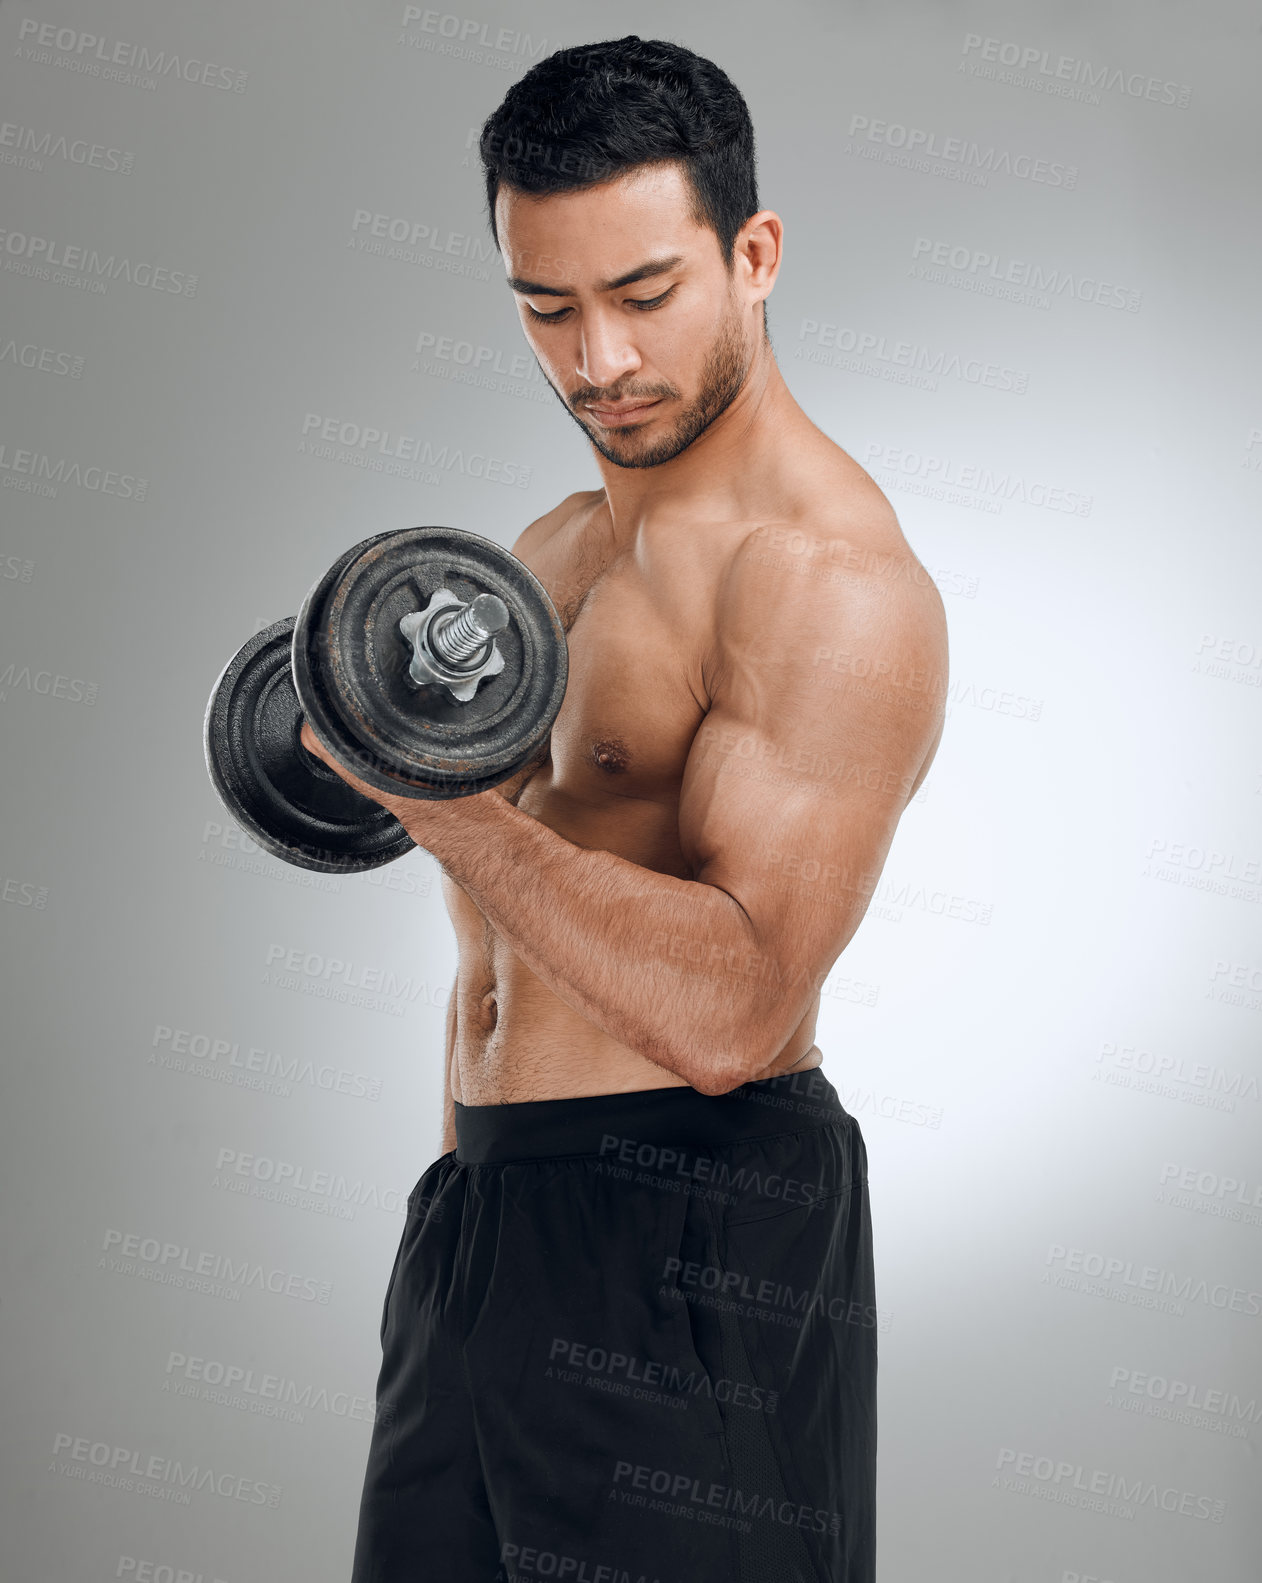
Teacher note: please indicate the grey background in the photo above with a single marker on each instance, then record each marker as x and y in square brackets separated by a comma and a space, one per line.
[1049, 1019]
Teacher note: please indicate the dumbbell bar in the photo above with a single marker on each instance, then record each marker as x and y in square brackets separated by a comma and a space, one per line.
[430, 662]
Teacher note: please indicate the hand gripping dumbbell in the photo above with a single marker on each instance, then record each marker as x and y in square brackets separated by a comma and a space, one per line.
[430, 662]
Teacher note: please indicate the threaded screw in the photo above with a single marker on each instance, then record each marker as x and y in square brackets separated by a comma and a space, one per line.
[468, 629]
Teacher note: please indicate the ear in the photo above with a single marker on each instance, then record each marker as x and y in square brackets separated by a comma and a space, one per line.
[757, 251]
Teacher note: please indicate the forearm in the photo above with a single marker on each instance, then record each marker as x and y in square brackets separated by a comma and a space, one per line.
[598, 931]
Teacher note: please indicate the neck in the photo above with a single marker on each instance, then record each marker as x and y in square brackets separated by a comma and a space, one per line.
[744, 440]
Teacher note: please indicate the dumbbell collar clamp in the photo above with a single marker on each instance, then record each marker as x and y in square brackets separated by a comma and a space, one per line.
[429, 667]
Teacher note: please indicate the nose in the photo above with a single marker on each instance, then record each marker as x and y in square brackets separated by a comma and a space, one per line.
[605, 354]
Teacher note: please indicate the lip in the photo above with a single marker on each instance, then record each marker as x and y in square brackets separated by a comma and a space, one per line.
[619, 416]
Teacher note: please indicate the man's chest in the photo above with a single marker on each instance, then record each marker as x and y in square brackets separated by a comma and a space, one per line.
[632, 704]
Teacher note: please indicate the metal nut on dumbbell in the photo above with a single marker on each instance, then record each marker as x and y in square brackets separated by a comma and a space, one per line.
[431, 662]
[455, 647]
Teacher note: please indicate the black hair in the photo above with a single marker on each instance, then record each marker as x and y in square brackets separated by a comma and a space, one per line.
[587, 114]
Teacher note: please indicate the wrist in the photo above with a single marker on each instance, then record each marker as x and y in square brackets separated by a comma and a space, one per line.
[450, 828]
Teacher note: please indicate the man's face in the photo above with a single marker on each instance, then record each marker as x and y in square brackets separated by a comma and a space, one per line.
[625, 300]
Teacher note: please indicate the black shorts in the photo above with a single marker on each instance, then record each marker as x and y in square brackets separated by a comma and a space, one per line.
[632, 1339]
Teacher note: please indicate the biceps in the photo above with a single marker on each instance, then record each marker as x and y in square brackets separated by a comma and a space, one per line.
[796, 831]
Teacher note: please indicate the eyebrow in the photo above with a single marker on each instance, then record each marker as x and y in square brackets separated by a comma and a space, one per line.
[655, 266]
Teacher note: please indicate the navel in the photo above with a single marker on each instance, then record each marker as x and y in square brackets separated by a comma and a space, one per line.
[488, 1012]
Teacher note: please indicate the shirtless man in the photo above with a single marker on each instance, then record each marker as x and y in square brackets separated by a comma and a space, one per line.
[632, 1324]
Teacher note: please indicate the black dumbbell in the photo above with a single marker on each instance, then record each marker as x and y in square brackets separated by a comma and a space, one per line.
[430, 662]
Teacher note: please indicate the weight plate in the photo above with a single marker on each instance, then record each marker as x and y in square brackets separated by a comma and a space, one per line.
[291, 803]
[350, 664]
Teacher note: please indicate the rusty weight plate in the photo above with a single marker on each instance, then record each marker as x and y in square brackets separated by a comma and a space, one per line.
[293, 805]
[350, 666]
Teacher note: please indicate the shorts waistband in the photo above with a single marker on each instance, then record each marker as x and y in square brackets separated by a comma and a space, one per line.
[597, 1124]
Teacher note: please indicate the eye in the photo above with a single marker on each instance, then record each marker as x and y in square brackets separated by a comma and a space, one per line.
[546, 318]
[647, 304]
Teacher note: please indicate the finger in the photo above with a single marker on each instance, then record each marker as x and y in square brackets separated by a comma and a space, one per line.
[401, 808]
[318, 750]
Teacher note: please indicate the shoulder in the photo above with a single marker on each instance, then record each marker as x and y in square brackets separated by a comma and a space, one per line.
[537, 534]
[829, 555]
[833, 586]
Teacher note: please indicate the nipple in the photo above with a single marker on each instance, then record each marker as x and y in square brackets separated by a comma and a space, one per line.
[611, 756]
